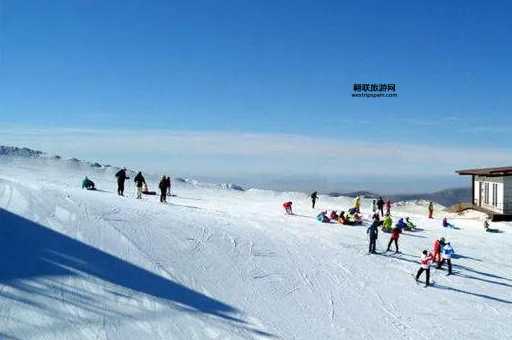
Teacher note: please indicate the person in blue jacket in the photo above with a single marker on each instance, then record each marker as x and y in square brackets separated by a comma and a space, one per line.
[401, 224]
[322, 217]
[447, 254]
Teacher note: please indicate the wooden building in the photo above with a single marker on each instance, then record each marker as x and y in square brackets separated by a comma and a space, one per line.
[492, 191]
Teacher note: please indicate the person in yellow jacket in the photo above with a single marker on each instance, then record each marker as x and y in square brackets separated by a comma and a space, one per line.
[387, 225]
[357, 203]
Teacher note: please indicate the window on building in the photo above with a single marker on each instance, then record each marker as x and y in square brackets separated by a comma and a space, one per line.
[495, 194]
[486, 193]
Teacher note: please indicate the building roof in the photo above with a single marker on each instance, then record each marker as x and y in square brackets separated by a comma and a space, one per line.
[501, 171]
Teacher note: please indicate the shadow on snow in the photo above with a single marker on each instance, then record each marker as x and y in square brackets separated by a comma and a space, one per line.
[34, 256]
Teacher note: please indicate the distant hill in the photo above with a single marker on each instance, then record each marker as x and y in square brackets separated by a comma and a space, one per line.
[13, 151]
[446, 197]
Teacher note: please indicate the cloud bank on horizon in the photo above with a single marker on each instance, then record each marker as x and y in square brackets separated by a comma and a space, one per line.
[250, 155]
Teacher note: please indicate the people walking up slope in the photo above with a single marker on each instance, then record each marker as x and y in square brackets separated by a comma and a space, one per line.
[140, 181]
[314, 198]
[163, 189]
[121, 178]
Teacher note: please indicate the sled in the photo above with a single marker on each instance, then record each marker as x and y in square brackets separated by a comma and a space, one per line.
[151, 193]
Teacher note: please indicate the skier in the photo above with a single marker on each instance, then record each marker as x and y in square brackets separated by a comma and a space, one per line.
[380, 205]
[121, 178]
[88, 184]
[430, 210]
[168, 185]
[388, 207]
[373, 234]
[448, 253]
[322, 217]
[374, 206]
[139, 183]
[163, 189]
[395, 235]
[357, 203]
[314, 197]
[436, 249]
[387, 224]
[288, 207]
[425, 262]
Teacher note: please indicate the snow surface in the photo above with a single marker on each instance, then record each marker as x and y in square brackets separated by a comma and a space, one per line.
[227, 264]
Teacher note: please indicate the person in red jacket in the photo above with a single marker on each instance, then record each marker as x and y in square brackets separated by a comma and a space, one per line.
[436, 249]
[425, 262]
[395, 234]
[288, 207]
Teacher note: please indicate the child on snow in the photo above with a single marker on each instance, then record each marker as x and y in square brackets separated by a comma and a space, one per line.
[401, 225]
[446, 224]
[373, 233]
[88, 184]
[334, 216]
[288, 208]
[409, 224]
[436, 249]
[387, 224]
[395, 234]
[322, 217]
[448, 253]
[425, 262]
[489, 230]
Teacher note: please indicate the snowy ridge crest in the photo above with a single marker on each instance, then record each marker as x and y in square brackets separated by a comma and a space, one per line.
[14, 151]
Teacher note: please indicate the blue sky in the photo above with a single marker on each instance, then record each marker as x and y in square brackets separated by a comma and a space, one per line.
[269, 68]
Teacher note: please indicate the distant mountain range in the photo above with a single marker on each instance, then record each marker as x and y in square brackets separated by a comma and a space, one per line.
[446, 197]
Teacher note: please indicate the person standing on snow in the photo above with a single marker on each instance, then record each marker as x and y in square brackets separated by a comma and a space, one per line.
[388, 207]
[436, 249]
[380, 205]
[374, 206]
[425, 262]
[163, 189]
[430, 210]
[448, 253]
[121, 178]
[314, 197]
[168, 185]
[357, 203]
[140, 181]
[395, 235]
[373, 234]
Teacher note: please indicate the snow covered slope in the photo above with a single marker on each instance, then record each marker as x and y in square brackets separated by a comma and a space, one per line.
[227, 264]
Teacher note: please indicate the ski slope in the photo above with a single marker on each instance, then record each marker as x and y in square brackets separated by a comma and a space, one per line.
[216, 263]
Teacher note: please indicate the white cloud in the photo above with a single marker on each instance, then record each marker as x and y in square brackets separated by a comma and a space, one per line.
[218, 153]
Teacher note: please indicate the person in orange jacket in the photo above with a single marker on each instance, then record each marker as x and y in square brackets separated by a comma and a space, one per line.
[436, 249]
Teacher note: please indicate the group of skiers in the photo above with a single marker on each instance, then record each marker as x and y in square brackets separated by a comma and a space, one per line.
[140, 184]
[442, 251]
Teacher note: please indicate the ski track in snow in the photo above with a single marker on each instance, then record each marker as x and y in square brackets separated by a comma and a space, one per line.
[286, 277]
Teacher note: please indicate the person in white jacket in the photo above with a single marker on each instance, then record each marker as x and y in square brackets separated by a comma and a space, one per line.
[425, 262]
[447, 254]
